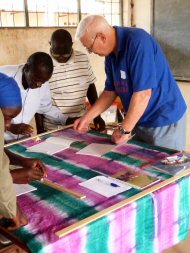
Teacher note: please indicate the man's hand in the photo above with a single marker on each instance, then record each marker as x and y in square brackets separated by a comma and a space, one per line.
[26, 175]
[33, 169]
[99, 124]
[81, 125]
[120, 138]
[19, 220]
[21, 129]
[35, 164]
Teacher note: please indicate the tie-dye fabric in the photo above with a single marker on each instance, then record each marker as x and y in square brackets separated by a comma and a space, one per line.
[148, 225]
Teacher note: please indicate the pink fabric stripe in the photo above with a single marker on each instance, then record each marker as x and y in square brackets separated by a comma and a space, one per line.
[72, 243]
[122, 232]
[168, 220]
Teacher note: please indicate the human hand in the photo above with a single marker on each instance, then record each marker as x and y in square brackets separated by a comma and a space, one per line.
[21, 128]
[33, 169]
[18, 221]
[99, 124]
[119, 138]
[36, 165]
[81, 125]
[25, 175]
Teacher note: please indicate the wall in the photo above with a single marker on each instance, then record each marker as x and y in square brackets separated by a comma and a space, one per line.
[17, 44]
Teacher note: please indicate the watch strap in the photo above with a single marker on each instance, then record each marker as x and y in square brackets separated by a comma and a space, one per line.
[123, 131]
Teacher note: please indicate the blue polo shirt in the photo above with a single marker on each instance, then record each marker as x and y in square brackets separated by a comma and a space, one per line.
[140, 64]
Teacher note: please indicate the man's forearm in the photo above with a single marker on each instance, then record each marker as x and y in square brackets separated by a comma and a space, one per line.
[92, 93]
[137, 107]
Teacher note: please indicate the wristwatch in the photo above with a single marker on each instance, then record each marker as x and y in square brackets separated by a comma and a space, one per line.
[123, 131]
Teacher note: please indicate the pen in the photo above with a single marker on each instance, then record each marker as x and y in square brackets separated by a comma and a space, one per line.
[107, 183]
[114, 185]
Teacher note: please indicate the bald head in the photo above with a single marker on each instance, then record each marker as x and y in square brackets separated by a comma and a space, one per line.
[96, 35]
[92, 23]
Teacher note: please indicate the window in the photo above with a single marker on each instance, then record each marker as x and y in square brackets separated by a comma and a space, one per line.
[52, 13]
[56, 13]
[12, 13]
[110, 9]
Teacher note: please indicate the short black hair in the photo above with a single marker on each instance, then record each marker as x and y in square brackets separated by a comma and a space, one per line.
[61, 35]
[41, 60]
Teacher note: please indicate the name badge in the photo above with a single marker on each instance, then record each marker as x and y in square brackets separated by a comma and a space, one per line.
[123, 74]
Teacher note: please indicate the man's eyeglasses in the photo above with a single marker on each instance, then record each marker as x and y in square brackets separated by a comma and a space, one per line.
[89, 49]
[60, 55]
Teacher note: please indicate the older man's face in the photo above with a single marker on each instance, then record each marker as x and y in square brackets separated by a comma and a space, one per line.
[93, 44]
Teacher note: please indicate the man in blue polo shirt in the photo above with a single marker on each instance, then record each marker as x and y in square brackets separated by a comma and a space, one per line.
[137, 71]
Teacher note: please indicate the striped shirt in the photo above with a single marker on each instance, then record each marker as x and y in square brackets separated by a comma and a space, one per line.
[69, 85]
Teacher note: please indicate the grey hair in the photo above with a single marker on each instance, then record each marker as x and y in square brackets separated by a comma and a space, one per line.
[100, 24]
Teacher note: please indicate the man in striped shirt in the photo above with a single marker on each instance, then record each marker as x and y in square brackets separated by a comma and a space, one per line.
[72, 81]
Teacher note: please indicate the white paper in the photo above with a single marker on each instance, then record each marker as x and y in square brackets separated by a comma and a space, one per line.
[52, 145]
[103, 186]
[23, 188]
[65, 141]
[46, 147]
[96, 149]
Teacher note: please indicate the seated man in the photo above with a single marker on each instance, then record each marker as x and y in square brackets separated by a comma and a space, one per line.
[72, 81]
[32, 80]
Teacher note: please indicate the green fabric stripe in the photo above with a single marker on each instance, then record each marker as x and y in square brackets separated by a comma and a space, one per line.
[131, 192]
[56, 162]
[184, 208]
[145, 225]
[98, 236]
[123, 158]
[79, 145]
[29, 239]
[75, 208]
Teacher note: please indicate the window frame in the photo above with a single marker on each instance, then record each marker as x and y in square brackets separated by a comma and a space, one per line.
[79, 15]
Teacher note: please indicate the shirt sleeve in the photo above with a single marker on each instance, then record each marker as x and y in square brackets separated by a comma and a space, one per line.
[46, 108]
[142, 62]
[7, 192]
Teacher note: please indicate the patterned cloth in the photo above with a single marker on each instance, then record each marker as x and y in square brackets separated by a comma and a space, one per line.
[148, 225]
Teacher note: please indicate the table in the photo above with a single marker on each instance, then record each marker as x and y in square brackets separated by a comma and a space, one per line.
[132, 222]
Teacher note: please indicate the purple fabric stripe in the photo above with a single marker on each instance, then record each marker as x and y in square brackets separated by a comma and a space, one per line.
[100, 164]
[139, 153]
[85, 137]
[31, 205]
[88, 138]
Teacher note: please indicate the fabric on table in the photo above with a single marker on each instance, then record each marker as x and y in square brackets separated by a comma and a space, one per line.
[148, 225]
